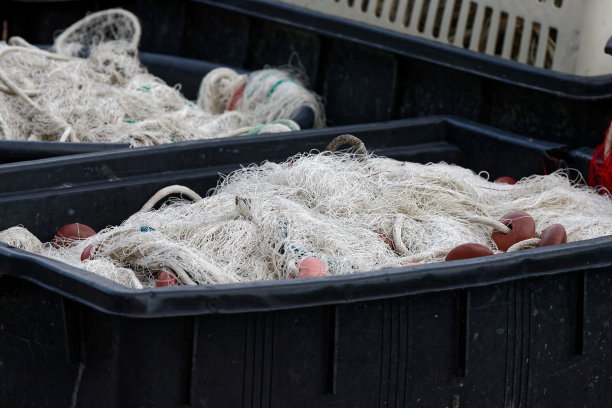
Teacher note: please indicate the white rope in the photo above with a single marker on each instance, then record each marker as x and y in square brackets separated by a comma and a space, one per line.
[20, 42]
[65, 135]
[527, 243]
[438, 253]
[496, 225]
[398, 244]
[170, 190]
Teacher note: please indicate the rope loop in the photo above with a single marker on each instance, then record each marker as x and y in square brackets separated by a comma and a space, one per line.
[105, 25]
[527, 243]
[350, 140]
[170, 190]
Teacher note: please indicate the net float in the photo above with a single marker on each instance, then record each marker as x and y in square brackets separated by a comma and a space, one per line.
[165, 278]
[311, 267]
[88, 252]
[553, 235]
[522, 227]
[505, 180]
[73, 231]
[467, 251]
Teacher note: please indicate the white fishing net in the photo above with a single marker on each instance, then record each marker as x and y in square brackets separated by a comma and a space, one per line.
[344, 209]
[93, 88]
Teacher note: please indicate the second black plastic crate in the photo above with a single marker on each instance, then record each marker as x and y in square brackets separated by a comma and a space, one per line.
[518, 329]
[364, 74]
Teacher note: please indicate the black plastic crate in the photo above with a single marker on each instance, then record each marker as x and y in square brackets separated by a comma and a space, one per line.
[364, 74]
[517, 329]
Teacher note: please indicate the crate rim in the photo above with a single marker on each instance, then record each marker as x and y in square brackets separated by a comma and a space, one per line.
[124, 152]
[124, 149]
[110, 297]
[582, 88]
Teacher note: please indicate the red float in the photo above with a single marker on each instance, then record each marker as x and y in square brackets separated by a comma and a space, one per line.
[311, 267]
[467, 251]
[166, 277]
[88, 252]
[70, 232]
[505, 180]
[522, 227]
[553, 235]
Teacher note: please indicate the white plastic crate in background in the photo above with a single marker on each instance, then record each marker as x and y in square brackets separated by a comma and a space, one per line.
[563, 35]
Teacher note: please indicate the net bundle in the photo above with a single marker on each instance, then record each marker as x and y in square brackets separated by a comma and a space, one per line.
[92, 87]
[353, 212]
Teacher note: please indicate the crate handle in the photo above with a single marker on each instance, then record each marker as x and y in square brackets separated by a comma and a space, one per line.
[347, 139]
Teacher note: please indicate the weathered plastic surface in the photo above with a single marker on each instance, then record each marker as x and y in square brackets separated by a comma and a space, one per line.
[521, 329]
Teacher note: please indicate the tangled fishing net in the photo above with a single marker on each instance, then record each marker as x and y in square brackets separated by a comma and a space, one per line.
[93, 88]
[353, 212]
